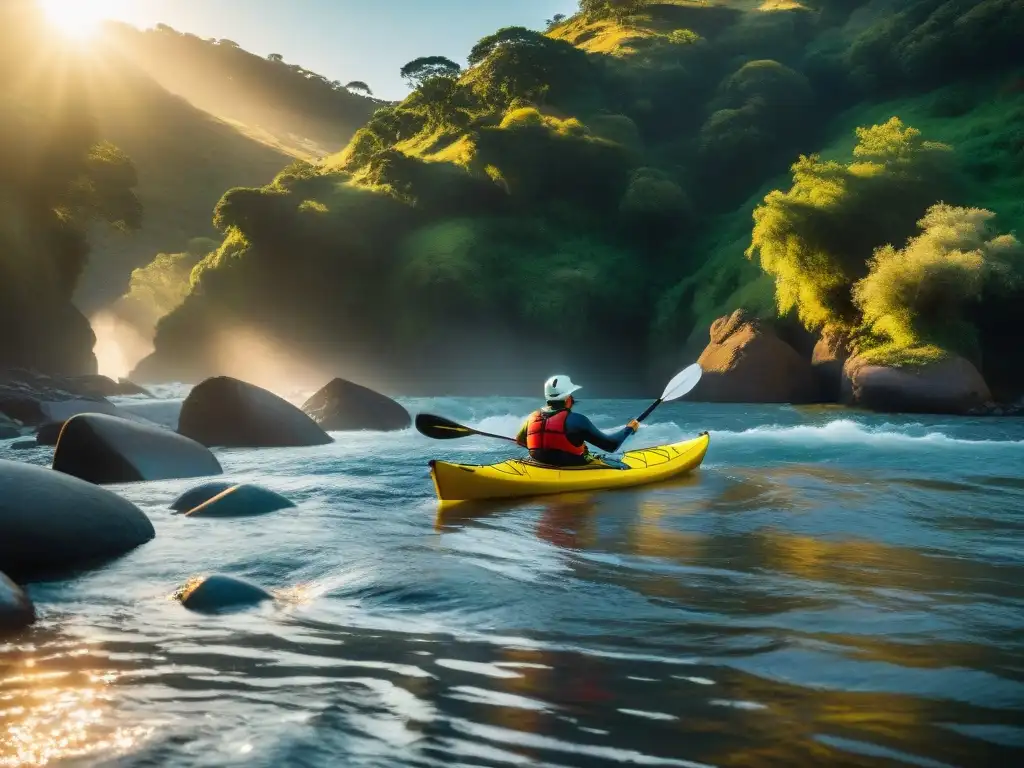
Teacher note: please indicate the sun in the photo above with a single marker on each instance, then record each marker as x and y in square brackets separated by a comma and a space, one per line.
[77, 19]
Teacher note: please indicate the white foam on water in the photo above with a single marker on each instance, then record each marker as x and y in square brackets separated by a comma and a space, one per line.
[847, 431]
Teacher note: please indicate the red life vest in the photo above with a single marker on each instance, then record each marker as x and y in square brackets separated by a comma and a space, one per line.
[546, 432]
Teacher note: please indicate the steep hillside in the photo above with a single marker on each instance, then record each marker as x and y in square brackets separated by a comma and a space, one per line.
[575, 197]
[184, 157]
[302, 111]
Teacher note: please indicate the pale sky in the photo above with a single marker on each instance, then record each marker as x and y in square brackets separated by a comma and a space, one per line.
[343, 40]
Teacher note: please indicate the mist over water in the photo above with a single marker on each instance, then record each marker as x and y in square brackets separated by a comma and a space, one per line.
[830, 588]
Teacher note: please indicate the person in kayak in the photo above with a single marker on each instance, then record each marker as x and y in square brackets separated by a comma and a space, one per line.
[557, 436]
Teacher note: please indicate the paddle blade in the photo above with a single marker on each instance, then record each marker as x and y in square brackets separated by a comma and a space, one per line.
[440, 428]
[683, 382]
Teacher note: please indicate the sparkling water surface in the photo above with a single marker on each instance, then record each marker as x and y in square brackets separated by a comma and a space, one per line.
[829, 588]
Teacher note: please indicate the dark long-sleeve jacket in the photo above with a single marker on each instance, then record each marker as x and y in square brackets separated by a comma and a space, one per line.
[578, 430]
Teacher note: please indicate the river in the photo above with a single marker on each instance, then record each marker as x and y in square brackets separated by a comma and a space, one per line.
[829, 588]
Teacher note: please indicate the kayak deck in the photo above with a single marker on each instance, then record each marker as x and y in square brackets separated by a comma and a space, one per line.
[515, 478]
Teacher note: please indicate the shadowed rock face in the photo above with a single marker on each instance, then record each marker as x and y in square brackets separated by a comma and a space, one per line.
[220, 593]
[105, 449]
[242, 501]
[952, 385]
[746, 362]
[192, 498]
[16, 610]
[828, 358]
[52, 524]
[227, 412]
[344, 406]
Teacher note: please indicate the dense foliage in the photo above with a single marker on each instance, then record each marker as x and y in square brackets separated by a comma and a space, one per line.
[589, 187]
[920, 295]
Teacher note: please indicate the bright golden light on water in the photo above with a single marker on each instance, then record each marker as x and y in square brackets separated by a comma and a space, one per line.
[78, 19]
[49, 717]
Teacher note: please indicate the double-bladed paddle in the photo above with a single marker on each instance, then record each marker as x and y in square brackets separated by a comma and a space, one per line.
[440, 428]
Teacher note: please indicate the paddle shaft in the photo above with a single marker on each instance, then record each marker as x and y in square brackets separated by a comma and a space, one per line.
[491, 434]
[650, 409]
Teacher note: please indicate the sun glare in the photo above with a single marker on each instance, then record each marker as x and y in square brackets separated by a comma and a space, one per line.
[77, 19]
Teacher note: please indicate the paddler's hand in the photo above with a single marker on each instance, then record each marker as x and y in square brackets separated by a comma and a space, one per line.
[633, 426]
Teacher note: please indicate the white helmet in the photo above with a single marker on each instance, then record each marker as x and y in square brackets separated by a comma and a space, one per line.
[559, 387]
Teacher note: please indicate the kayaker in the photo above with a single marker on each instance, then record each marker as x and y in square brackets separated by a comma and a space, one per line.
[557, 436]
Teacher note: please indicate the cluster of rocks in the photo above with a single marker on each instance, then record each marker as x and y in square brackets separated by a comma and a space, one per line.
[57, 521]
[747, 361]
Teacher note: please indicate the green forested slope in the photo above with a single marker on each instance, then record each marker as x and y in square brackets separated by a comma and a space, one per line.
[586, 196]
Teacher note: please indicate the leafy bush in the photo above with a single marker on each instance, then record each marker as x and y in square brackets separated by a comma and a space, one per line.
[920, 294]
[815, 239]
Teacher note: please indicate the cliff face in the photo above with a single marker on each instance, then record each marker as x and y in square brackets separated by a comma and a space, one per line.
[585, 197]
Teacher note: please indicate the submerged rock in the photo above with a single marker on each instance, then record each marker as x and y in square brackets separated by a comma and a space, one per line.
[219, 592]
[950, 386]
[746, 362]
[227, 412]
[53, 524]
[105, 449]
[200, 495]
[344, 406]
[16, 610]
[242, 501]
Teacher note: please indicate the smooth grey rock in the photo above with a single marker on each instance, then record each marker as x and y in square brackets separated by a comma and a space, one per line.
[219, 592]
[52, 524]
[227, 412]
[106, 449]
[242, 501]
[344, 406]
[200, 495]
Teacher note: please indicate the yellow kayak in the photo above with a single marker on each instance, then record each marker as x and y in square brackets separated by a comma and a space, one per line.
[521, 477]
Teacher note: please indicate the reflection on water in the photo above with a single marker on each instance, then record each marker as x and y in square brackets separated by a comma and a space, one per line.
[818, 594]
[56, 707]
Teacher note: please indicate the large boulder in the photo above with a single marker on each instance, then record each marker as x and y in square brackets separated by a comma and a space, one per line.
[52, 524]
[950, 386]
[342, 406]
[105, 449]
[827, 360]
[746, 362]
[227, 412]
[16, 610]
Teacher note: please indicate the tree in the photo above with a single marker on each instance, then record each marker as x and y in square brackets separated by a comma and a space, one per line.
[617, 9]
[418, 71]
[275, 57]
[919, 294]
[360, 86]
[228, 43]
[815, 239]
[443, 99]
[555, 20]
[506, 36]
